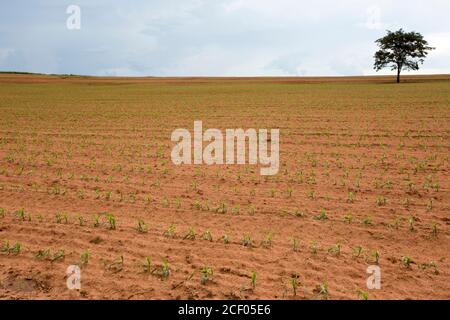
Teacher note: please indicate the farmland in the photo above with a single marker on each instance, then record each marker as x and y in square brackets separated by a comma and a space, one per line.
[86, 179]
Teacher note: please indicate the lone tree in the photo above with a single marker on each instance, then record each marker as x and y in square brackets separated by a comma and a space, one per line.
[401, 50]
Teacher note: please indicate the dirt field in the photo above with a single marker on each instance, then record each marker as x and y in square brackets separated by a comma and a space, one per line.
[364, 180]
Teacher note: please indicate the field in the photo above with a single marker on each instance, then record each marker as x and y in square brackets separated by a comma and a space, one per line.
[86, 179]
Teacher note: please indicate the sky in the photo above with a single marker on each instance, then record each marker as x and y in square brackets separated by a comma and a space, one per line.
[214, 37]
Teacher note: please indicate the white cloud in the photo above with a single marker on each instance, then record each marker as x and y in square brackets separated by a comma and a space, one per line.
[220, 37]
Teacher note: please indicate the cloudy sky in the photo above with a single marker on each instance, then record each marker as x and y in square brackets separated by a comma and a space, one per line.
[214, 37]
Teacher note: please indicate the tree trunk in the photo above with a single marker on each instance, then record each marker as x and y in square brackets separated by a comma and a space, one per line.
[399, 69]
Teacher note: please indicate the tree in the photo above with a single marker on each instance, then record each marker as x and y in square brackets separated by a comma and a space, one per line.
[401, 50]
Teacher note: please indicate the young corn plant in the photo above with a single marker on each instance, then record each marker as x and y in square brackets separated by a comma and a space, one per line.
[322, 291]
[435, 230]
[111, 221]
[407, 261]
[253, 278]
[21, 214]
[207, 274]
[81, 221]
[350, 197]
[59, 255]
[2, 213]
[335, 250]
[141, 226]
[61, 217]
[170, 232]
[225, 239]
[363, 295]
[313, 247]
[299, 214]
[381, 201]
[367, 221]
[165, 269]
[267, 243]
[222, 208]
[290, 191]
[357, 251]
[43, 254]
[84, 258]
[322, 215]
[207, 236]
[247, 241]
[411, 224]
[191, 235]
[96, 220]
[295, 244]
[236, 209]
[348, 218]
[432, 264]
[8, 249]
[376, 257]
[294, 284]
[147, 265]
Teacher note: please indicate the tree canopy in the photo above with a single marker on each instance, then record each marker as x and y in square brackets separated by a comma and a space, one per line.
[401, 50]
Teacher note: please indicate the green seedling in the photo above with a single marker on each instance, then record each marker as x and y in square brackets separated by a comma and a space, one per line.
[60, 255]
[381, 201]
[348, 219]
[313, 247]
[267, 243]
[295, 244]
[81, 221]
[84, 258]
[367, 221]
[363, 295]
[165, 270]
[247, 241]
[299, 214]
[141, 226]
[111, 221]
[290, 191]
[411, 224]
[147, 266]
[322, 215]
[322, 291]
[207, 236]
[236, 209]
[294, 284]
[61, 217]
[435, 230]
[170, 232]
[191, 234]
[96, 221]
[222, 208]
[336, 249]
[350, 198]
[225, 239]
[407, 261]
[207, 274]
[21, 214]
[15, 249]
[357, 251]
[253, 277]
[396, 223]
[376, 256]
[43, 254]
